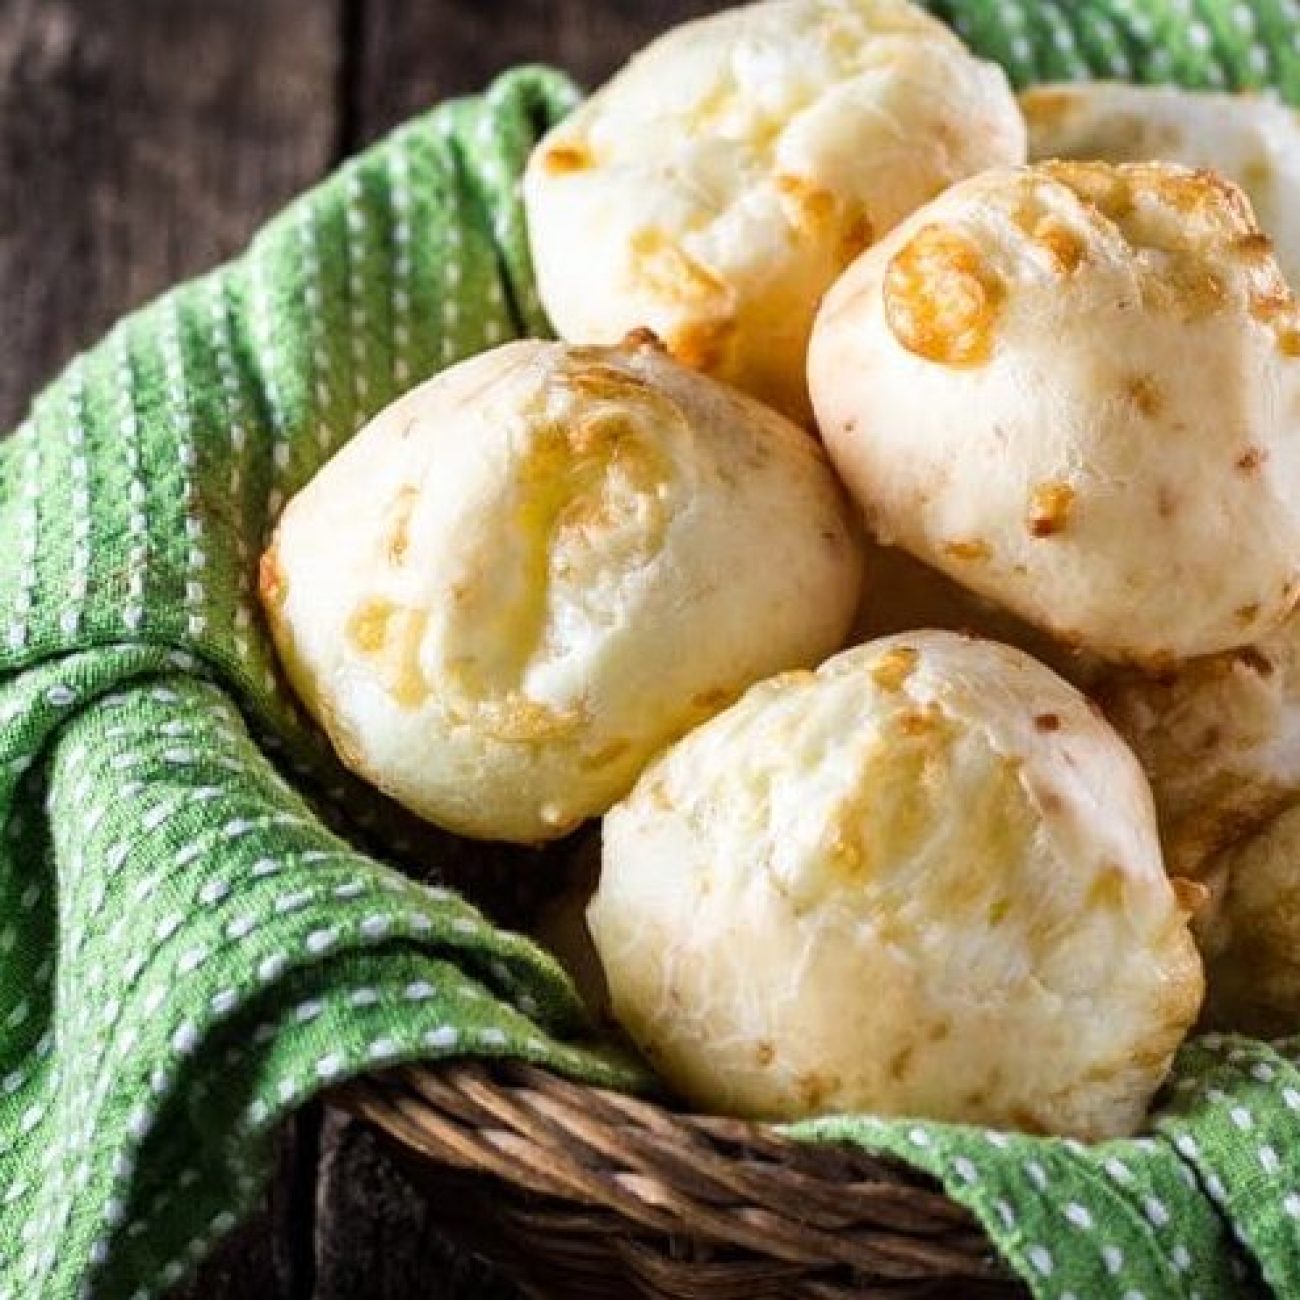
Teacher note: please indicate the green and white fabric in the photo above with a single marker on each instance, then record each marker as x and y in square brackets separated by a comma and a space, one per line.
[202, 919]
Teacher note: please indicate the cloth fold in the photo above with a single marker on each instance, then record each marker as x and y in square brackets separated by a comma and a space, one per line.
[202, 917]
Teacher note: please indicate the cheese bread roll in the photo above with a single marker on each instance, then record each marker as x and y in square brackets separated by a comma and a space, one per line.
[923, 880]
[524, 578]
[1075, 389]
[1252, 140]
[717, 185]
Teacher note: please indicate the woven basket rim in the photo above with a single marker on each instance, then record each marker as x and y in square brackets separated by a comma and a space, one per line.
[740, 1191]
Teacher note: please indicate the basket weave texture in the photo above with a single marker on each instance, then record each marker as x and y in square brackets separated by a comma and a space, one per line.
[582, 1193]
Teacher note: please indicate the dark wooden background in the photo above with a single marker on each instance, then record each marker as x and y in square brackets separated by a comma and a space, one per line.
[142, 141]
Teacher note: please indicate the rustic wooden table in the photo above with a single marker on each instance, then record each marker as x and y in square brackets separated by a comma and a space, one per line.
[142, 141]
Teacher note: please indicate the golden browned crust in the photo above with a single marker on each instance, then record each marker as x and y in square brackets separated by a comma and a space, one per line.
[272, 586]
[968, 548]
[942, 299]
[562, 159]
[1049, 508]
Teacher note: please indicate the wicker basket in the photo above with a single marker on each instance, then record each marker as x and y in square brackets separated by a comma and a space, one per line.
[582, 1194]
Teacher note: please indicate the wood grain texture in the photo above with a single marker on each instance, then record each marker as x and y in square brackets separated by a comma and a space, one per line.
[409, 54]
[142, 141]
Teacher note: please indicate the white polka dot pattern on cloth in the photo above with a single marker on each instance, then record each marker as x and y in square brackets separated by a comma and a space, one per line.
[194, 939]
[1210, 44]
[1119, 1218]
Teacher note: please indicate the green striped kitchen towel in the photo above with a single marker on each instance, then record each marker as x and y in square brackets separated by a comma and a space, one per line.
[201, 925]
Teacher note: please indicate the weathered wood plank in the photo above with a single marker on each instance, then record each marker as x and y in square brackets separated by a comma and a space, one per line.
[140, 143]
[409, 54]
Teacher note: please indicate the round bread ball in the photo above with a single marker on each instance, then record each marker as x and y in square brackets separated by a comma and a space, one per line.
[1219, 739]
[1252, 948]
[1251, 140]
[528, 575]
[922, 880]
[1075, 389]
[717, 185]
